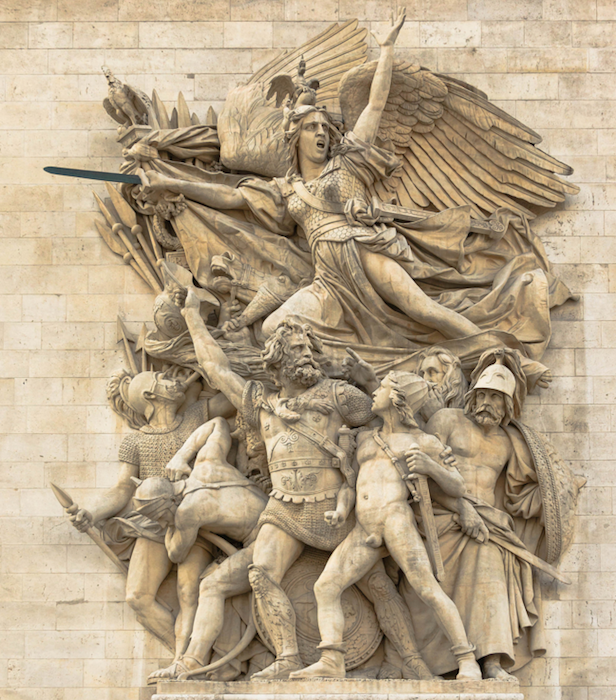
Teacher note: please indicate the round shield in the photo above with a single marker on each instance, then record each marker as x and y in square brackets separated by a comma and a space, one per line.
[362, 634]
[559, 492]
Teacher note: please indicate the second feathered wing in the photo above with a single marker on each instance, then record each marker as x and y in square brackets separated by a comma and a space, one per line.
[456, 147]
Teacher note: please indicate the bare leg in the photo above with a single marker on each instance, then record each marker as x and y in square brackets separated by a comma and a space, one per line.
[406, 547]
[274, 552]
[229, 579]
[149, 566]
[351, 560]
[188, 595]
[398, 288]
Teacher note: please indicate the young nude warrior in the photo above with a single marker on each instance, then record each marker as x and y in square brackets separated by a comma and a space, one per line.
[384, 516]
[216, 497]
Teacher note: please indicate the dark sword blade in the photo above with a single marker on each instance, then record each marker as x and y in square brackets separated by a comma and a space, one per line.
[94, 175]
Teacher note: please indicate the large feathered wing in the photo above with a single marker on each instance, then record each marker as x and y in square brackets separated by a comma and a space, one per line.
[456, 147]
[250, 123]
[251, 134]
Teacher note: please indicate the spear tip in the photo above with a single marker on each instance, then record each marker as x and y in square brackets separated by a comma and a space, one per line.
[63, 498]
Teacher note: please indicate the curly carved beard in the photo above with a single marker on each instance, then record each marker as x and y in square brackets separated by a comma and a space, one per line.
[307, 373]
[487, 415]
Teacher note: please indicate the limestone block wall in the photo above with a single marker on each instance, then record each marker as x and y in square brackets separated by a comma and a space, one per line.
[66, 633]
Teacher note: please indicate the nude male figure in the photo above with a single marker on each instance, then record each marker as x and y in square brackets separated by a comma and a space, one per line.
[215, 497]
[384, 517]
[299, 425]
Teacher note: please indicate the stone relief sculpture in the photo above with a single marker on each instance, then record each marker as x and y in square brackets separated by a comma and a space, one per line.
[150, 402]
[384, 518]
[351, 307]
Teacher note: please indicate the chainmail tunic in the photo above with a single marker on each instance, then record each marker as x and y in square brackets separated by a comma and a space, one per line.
[151, 449]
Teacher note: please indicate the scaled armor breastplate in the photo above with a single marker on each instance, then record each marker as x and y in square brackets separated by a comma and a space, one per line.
[335, 184]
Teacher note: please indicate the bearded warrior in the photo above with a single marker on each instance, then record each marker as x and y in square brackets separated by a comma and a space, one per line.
[304, 428]
[384, 517]
[516, 515]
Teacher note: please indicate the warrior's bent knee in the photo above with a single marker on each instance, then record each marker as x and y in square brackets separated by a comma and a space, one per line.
[327, 588]
[426, 592]
[209, 589]
[139, 602]
[187, 591]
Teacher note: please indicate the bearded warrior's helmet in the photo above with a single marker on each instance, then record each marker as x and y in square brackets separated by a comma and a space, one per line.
[496, 377]
[499, 378]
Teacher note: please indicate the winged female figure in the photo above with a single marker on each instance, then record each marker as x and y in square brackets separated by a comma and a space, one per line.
[388, 287]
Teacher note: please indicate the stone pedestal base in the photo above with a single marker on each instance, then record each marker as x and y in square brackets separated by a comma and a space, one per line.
[349, 689]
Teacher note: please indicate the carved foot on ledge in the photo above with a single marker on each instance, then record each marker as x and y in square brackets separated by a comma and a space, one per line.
[330, 665]
[493, 671]
[169, 673]
[280, 670]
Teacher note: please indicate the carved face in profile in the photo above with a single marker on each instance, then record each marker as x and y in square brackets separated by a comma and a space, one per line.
[313, 141]
[381, 397]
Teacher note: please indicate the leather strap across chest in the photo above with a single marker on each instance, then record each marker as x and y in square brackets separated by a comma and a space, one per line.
[315, 202]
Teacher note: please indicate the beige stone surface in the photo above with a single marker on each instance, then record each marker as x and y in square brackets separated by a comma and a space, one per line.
[65, 632]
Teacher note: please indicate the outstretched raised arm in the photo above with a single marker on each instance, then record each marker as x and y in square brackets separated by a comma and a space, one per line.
[210, 194]
[210, 356]
[367, 125]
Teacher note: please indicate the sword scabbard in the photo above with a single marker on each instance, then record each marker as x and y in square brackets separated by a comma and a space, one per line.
[429, 523]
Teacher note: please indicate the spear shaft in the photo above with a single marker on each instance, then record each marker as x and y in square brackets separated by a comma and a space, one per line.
[65, 500]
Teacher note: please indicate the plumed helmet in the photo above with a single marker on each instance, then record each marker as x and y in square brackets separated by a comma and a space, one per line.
[497, 377]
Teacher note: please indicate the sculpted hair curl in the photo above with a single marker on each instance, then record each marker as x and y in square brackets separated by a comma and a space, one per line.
[276, 345]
